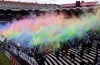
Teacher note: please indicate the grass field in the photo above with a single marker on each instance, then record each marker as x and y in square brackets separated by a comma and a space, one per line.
[3, 59]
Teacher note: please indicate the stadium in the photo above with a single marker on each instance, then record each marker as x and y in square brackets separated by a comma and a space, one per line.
[49, 34]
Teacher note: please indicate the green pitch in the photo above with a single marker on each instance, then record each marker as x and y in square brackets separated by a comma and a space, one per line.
[3, 59]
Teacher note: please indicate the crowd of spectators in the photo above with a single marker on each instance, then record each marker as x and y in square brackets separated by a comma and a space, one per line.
[9, 15]
[91, 39]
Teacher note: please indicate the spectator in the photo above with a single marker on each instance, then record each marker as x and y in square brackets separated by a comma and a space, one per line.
[42, 60]
[82, 62]
[57, 54]
[72, 56]
[81, 54]
[62, 52]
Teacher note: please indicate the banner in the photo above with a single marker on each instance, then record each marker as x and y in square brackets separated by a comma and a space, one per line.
[22, 55]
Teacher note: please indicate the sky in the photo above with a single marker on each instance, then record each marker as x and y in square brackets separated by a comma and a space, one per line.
[53, 1]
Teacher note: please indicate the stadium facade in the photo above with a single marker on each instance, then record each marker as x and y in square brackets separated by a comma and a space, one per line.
[26, 6]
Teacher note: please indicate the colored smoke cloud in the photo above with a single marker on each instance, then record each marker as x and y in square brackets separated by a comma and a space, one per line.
[49, 28]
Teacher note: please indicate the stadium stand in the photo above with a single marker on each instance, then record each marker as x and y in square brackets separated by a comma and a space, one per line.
[83, 52]
[77, 52]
